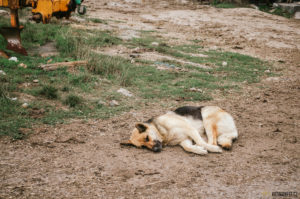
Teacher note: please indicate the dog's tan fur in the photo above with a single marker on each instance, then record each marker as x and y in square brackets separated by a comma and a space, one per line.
[185, 129]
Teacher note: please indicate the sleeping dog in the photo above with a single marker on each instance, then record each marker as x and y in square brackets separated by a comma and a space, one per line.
[184, 127]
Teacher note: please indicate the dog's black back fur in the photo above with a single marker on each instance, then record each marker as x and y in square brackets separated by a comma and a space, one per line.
[193, 111]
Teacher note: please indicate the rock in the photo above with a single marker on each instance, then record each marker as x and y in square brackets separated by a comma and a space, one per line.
[2, 72]
[25, 105]
[137, 50]
[224, 63]
[100, 102]
[22, 65]
[35, 81]
[196, 90]
[267, 71]
[155, 43]
[297, 15]
[125, 92]
[114, 103]
[15, 59]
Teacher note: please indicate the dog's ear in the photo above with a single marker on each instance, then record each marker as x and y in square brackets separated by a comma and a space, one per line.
[141, 127]
[126, 143]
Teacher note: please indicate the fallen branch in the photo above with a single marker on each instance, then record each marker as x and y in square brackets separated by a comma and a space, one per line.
[50, 67]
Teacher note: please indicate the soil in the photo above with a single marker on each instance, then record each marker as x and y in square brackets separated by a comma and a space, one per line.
[83, 158]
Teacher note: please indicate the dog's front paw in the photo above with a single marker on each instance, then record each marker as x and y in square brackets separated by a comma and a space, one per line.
[218, 149]
[200, 150]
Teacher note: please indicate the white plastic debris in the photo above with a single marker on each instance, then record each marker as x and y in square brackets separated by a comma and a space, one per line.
[14, 99]
[224, 63]
[15, 59]
[35, 81]
[2, 72]
[125, 92]
[155, 43]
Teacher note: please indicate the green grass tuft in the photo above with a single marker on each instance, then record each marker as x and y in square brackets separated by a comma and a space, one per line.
[72, 100]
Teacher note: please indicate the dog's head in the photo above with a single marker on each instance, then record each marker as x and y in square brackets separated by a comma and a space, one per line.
[145, 134]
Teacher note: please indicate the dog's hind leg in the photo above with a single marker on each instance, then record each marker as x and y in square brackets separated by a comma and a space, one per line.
[188, 145]
[211, 132]
[193, 133]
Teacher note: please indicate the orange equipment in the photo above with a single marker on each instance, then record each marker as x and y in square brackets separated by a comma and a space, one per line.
[42, 11]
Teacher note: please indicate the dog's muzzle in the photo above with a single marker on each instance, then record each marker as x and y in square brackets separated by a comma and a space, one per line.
[157, 146]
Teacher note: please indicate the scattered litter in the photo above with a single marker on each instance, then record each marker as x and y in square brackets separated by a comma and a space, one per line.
[224, 63]
[35, 81]
[25, 105]
[267, 71]
[2, 72]
[15, 59]
[132, 61]
[155, 43]
[125, 92]
[22, 65]
[13, 99]
[196, 89]
[114, 103]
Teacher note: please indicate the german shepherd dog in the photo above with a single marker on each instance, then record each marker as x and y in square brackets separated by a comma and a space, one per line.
[184, 127]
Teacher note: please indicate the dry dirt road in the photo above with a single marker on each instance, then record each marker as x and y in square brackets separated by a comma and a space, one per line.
[83, 159]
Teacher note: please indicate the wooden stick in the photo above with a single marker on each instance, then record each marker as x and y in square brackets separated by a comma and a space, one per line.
[50, 67]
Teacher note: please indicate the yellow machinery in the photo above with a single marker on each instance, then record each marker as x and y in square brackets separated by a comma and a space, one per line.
[42, 11]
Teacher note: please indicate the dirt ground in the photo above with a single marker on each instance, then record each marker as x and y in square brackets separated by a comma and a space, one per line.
[83, 158]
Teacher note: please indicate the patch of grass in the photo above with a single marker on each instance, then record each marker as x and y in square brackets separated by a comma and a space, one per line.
[49, 92]
[276, 11]
[12, 116]
[72, 100]
[218, 4]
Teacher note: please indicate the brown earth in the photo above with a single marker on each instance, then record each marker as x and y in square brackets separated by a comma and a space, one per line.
[83, 159]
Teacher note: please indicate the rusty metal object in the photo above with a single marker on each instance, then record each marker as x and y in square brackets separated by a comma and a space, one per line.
[12, 35]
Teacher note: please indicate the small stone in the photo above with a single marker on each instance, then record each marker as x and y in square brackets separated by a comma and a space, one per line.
[196, 90]
[125, 92]
[22, 65]
[267, 71]
[136, 50]
[155, 43]
[224, 63]
[2, 72]
[35, 81]
[100, 102]
[114, 103]
[25, 105]
[15, 59]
